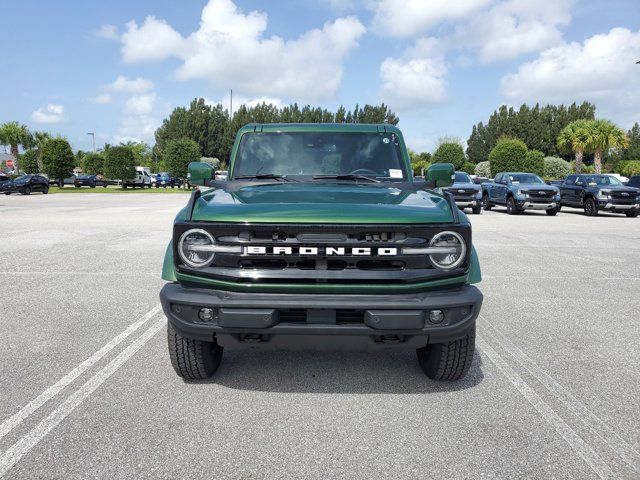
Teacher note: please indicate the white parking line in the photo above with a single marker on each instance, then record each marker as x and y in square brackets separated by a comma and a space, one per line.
[15, 420]
[585, 452]
[14, 453]
[615, 442]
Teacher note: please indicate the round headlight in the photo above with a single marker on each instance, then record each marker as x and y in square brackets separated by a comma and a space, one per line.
[196, 248]
[453, 250]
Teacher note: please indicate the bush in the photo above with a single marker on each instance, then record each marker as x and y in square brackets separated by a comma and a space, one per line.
[556, 168]
[533, 162]
[629, 168]
[468, 167]
[483, 169]
[509, 155]
[57, 158]
[450, 153]
[29, 161]
[584, 169]
[178, 154]
[119, 163]
[93, 164]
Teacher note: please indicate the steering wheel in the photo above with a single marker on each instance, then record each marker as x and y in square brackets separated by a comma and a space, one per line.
[363, 171]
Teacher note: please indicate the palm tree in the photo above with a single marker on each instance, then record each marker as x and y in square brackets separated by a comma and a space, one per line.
[574, 138]
[39, 139]
[15, 135]
[604, 135]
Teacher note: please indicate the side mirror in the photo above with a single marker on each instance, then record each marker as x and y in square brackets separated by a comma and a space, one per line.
[200, 173]
[441, 174]
[579, 184]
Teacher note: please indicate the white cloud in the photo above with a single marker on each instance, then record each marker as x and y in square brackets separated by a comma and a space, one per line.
[140, 118]
[123, 85]
[417, 79]
[230, 50]
[511, 28]
[154, 40]
[602, 70]
[406, 18]
[109, 32]
[102, 99]
[50, 114]
[140, 104]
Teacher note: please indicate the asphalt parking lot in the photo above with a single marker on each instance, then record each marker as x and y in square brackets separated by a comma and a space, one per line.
[87, 390]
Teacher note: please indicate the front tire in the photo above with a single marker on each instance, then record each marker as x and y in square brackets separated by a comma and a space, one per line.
[552, 212]
[27, 191]
[450, 360]
[590, 207]
[511, 206]
[45, 190]
[486, 204]
[193, 359]
[631, 214]
[477, 210]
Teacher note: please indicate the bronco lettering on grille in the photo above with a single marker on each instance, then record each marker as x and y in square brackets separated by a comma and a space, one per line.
[322, 251]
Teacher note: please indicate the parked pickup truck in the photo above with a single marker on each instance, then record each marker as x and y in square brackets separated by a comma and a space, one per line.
[519, 192]
[594, 193]
[320, 236]
[466, 193]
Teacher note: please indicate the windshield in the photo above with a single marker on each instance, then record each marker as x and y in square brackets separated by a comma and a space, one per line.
[603, 180]
[320, 153]
[462, 177]
[84, 177]
[23, 178]
[525, 178]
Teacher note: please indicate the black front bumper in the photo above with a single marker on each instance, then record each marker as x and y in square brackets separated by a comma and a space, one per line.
[284, 320]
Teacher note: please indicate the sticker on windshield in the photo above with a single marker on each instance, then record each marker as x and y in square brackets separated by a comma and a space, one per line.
[385, 140]
[395, 172]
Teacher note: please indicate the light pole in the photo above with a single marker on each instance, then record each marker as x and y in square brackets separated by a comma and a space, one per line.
[93, 139]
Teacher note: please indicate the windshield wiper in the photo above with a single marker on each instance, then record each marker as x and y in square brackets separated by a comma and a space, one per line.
[263, 176]
[348, 176]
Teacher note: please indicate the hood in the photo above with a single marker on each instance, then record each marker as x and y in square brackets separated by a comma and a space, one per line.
[536, 186]
[618, 188]
[321, 203]
[465, 185]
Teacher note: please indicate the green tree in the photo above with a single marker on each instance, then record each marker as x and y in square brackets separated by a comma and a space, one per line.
[574, 138]
[468, 167]
[483, 169]
[178, 154]
[39, 139]
[15, 135]
[556, 168]
[629, 167]
[419, 162]
[450, 152]
[119, 163]
[93, 164]
[537, 126]
[29, 161]
[57, 159]
[533, 162]
[603, 135]
[508, 155]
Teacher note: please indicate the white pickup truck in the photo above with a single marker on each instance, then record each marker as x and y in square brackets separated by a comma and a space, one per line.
[141, 180]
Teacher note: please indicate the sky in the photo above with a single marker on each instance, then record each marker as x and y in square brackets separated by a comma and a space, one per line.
[118, 68]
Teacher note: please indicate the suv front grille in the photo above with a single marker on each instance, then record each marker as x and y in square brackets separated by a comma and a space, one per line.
[344, 268]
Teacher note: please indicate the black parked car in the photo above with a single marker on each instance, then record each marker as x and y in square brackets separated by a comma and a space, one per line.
[3, 179]
[91, 181]
[634, 181]
[595, 193]
[25, 184]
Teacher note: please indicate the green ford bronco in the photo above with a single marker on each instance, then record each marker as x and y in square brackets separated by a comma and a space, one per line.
[320, 237]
